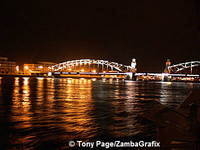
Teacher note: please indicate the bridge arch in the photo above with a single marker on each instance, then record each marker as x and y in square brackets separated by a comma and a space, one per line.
[113, 66]
[183, 66]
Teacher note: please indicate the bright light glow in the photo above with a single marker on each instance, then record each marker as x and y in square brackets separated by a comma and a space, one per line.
[40, 67]
[17, 68]
[82, 70]
[49, 73]
[26, 80]
[26, 67]
[40, 78]
[94, 71]
[94, 79]
[168, 83]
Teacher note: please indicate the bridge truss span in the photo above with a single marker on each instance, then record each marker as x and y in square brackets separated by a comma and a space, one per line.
[182, 66]
[113, 66]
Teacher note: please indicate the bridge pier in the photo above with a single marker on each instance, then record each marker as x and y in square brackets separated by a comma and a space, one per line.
[166, 77]
[134, 77]
[131, 76]
[167, 64]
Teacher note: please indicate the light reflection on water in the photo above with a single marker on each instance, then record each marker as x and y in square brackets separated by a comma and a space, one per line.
[37, 112]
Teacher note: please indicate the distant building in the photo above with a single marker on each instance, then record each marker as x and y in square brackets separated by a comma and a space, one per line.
[37, 68]
[7, 67]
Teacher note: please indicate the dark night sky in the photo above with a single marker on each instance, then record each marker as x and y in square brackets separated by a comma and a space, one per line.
[150, 31]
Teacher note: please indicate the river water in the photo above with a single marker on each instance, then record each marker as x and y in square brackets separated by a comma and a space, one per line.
[45, 113]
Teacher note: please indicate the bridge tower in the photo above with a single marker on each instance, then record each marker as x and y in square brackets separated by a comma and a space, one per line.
[132, 74]
[167, 64]
[133, 63]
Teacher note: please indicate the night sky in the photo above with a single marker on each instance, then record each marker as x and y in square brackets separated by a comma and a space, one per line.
[149, 30]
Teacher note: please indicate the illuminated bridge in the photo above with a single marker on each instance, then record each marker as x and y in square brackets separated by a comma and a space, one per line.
[93, 68]
[188, 71]
[187, 67]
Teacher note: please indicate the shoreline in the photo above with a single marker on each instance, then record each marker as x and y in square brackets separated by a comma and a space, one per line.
[95, 77]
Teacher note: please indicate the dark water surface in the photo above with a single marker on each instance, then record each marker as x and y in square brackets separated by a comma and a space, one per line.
[38, 113]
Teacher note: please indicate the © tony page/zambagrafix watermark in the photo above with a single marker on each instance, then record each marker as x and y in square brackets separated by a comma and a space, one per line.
[113, 144]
